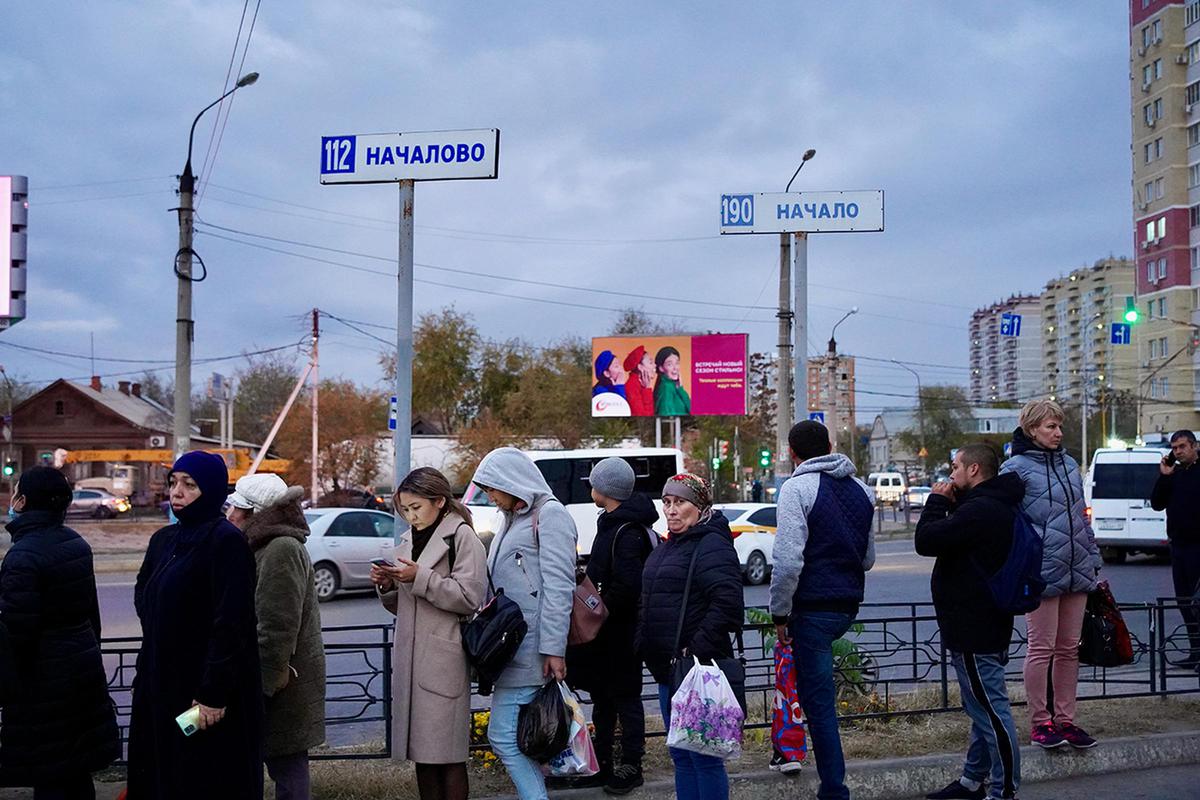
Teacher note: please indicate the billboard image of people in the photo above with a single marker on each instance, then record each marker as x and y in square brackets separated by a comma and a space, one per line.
[669, 376]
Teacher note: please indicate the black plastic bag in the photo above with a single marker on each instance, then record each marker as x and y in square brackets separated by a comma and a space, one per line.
[544, 726]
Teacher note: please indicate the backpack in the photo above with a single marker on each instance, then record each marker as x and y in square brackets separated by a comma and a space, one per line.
[1017, 586]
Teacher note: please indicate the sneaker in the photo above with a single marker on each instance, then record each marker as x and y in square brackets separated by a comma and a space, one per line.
[956, 791]
[783, 765]
[1047, 736]
[625, 778]
[587, 781]
[1076, 737]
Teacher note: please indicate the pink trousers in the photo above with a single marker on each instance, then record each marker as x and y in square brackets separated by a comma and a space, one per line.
[1053, 633]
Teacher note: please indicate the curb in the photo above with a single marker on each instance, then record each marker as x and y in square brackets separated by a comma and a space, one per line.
[887, 779]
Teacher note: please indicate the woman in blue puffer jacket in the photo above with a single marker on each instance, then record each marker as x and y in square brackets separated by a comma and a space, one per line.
[1070, 566]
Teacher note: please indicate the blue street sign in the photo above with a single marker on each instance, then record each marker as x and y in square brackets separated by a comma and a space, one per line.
[1008, 449]
[392, 414]
[1121, 332]
[817, 416]
[1010, 324]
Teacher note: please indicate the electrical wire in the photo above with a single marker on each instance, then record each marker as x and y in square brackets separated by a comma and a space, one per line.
[212, 135]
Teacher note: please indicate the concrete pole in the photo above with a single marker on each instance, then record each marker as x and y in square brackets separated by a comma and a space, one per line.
[183, 315]
[314, 491]
[800, 328]
[835, 427]
[1083, 447]
[402, 436]
[783, 372]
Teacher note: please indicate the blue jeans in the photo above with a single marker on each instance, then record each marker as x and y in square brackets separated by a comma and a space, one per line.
[697, 777]
[813, 634]
[994, 748]
[526, 774]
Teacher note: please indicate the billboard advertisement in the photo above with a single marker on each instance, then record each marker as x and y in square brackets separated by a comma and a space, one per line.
[670, 376]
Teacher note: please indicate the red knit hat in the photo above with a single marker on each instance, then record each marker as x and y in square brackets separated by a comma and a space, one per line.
[634, 358]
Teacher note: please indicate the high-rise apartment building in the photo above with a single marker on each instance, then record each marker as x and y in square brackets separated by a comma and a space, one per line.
[1006, 368]
[820, 383]
[1078, 310]
[1164, 56]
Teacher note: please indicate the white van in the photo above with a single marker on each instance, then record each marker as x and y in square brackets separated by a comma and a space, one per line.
[567, 473]
[1117, 493]
[889, 487]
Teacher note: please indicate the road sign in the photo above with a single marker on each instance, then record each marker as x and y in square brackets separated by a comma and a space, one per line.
[922, 453]
[1121, 332]
[420, 156]
[802, 212]
[817, 416]
[1010, 324]
[392, 414]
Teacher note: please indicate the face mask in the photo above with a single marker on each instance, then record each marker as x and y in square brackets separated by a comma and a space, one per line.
[13, 513]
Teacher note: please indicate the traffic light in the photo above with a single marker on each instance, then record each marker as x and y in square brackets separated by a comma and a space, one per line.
[764, 457]
[10, 467]
[716, 462]
[1131, 311]
[724, 448]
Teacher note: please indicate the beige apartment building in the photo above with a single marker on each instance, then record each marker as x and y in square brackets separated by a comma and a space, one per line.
[1078, 353]
[1164, 56]
[1006, 368]
[820, 383]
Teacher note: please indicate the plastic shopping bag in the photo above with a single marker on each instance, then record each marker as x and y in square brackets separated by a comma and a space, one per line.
[787, 728]
[705, 715]
[580, 757]
[543, 726]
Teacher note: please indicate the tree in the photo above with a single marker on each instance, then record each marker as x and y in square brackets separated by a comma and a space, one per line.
[554, 395]
[160, 390]
[351, 420]
[263, 387]
[948, 423]
[636, 322]
[445, 358]
[499, 374]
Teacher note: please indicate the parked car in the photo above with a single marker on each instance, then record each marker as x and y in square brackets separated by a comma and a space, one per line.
[753, 528]
[917, 495]
[342, 544]
[354, 498]
[889, 487]
[97, 503]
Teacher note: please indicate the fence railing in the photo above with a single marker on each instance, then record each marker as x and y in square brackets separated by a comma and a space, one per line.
[891, 664]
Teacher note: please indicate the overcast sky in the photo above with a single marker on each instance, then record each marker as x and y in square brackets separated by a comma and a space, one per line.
[999, 132]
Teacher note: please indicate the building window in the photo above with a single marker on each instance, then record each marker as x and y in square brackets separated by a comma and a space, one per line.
[1194, 218]
[1195, 258]
[1150, 231]
[1162, 307]
[1148, 192]
[59, 408]
[1193, 93]
[1193, 135]
[1162, 346]
[1148, 114]
[1150, 314]
[1146, 36]
[1165, 389]
[1158, 148]
[1153, 349]
[1157, 31]
[1191, 14]
[1157, 68]
[1158, 107]
[1162, 227]
[1147, 75]
[1193, 52]
[1162, 268]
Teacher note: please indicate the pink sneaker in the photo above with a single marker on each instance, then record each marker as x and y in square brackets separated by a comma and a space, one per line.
[1047, 736]
[1075, 736]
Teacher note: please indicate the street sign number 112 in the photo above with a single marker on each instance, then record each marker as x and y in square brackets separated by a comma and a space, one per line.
[337, 154]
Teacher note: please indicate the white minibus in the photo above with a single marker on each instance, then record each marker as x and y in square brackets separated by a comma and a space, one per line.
[1117, 493]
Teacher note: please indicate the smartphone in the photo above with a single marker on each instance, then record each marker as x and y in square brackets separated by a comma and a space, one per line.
[1170, 459]
[189, 721]
[382, 562]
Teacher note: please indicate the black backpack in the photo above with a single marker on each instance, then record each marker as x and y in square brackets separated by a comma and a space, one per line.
[491, 638]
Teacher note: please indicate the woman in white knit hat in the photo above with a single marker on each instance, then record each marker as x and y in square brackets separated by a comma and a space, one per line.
[289, 628]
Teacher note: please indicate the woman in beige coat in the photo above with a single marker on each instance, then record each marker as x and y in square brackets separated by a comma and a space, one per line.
[439, 577]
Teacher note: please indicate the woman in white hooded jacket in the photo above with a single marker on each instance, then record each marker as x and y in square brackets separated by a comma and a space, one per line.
[533, 560]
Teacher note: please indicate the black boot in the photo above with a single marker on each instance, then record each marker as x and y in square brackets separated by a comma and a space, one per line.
[625, 778]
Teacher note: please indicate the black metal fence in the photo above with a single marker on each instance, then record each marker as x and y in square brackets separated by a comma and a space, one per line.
[891, 664]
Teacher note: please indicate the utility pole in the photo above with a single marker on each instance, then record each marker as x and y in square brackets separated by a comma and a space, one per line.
[316, 383]
[783, 369]
[184, 326]
[920, 411]
[800, 328]
[831, 360]
[402, 436]
[1083, 447]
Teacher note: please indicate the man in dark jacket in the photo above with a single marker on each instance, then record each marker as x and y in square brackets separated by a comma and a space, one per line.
[59, 725]
[1177, 491]
[967, 525]
[609, 667]
[823, 548]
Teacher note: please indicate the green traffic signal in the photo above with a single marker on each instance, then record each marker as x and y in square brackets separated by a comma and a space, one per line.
[716, 463]
[1131, 312]
[764, 457]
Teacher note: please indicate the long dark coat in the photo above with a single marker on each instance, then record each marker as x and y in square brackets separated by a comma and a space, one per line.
[195, 598]
[60, 720]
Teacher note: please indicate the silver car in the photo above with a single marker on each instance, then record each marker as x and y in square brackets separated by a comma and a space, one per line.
[342, 544]
[96, 503]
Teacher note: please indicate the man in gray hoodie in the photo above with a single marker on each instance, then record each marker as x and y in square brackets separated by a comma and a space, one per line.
[533, 560]
[824, 546]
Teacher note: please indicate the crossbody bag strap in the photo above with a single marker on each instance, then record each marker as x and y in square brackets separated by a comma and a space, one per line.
[687, 590]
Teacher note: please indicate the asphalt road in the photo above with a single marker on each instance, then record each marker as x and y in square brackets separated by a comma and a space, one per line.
[1163, 783]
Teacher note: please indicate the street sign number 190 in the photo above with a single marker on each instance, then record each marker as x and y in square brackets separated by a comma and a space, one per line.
[737, 209]
[337, 154]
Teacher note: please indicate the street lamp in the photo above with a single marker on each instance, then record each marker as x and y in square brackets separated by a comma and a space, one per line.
[183, 272]
[831, 360]
[783, 405]
[920, 411]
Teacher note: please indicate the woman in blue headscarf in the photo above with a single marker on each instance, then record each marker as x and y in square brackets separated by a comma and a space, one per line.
[195, 599]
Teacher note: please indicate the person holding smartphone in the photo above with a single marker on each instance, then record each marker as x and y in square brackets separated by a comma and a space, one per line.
[1177, 491]
[439, 576]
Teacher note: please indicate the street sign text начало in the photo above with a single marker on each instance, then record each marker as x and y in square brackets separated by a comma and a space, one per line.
[419, 156]
[803, 212]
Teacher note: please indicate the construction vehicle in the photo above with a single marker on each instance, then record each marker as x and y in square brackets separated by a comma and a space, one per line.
[122, 477]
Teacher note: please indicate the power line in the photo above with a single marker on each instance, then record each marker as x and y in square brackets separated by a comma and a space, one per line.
[40, 204]
[212, 135]
[59, 186]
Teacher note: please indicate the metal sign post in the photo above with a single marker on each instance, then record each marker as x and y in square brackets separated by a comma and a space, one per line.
[406, 158]
[799, 214]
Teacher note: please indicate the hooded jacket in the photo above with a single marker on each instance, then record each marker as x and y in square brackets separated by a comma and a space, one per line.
[1054, 502]
[971, 541]
[715, 607]
[535, 570]
[610, 662]
[290, 648]
[825, 542]
[58, 720]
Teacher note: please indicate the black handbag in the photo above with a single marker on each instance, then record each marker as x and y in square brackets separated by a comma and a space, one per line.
[734, 669]
[491, 637]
